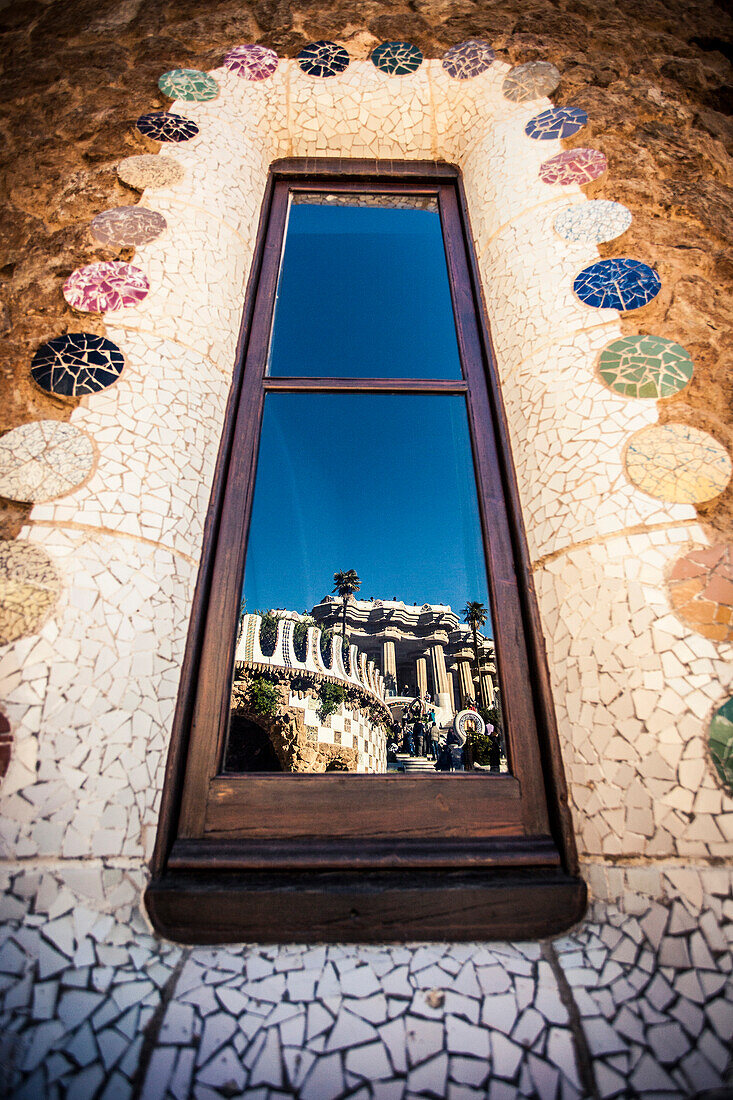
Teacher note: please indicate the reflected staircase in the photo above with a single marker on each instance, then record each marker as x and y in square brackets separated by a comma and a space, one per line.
[413, 765]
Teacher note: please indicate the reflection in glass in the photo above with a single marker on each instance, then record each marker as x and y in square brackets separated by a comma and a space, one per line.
[363, 290]
[364, 629]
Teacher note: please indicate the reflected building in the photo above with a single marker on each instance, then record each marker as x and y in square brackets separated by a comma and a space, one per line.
[417, 648]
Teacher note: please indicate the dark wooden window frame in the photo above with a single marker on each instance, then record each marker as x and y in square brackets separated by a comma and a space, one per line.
[363, 857]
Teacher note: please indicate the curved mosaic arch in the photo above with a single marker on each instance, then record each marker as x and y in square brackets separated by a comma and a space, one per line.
[506, 205]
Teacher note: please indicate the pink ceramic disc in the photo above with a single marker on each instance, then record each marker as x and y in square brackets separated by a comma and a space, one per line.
[105, 286]
[252, 62]
[573, 166]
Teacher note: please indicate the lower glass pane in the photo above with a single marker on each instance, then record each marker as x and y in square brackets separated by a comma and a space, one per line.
[365, 642]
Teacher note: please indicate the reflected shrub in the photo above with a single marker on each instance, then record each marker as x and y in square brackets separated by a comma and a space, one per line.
[331, 697]
[263, 697]
[268, 632]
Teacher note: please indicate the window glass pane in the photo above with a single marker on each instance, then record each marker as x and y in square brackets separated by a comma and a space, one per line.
[382, 485]
[363, 290]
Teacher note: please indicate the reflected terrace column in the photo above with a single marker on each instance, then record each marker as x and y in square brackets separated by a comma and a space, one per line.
[389, 665]
[421, 668]
[468, 694]
[440, 676]
[488, 686]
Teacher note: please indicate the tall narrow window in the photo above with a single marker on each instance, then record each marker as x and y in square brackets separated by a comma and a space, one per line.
[369, 698]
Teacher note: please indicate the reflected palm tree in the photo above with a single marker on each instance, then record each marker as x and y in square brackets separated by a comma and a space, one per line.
[346, 584]
[475, 614]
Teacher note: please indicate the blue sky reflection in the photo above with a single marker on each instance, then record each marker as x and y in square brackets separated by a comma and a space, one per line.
[383, 484]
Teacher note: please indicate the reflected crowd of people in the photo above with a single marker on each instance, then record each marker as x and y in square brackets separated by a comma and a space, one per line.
[416, 734]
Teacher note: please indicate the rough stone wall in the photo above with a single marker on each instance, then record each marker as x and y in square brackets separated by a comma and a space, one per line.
[655, 78]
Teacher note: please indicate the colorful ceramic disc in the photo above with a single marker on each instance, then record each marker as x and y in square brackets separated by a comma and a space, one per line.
[323, 59]
[469, 58]
[593, 222]
[530, 81]
[43, 460]
[617, 284]
[29, 589]
[127, 226]
[558, 122]
[189, 84]
[645, 366]
[677, 463]
[573, 166]
[76, 364]
[701, 591]
[164, 126]
[150, 171]
[720, 736]
[252, 62]
[105, 286]
[397, 58]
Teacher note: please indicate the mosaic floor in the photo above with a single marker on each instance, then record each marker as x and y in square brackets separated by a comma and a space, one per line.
[632, 1004]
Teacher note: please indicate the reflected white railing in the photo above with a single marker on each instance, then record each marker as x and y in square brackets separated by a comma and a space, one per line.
[362, 673]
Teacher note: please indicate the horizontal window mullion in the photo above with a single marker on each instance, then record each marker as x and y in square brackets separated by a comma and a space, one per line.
[365, 385]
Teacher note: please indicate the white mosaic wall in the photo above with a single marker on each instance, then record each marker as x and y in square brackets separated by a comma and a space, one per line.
[636, 1001]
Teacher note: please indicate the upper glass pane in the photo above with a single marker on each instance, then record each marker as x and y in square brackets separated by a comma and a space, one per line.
[363, 290]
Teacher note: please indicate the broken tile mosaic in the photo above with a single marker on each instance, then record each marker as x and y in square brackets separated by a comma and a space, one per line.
[593, 222]
[678, 463]
[533, 80]
[150, 170]
[165, 126]
[557, 122]
[468, 59]
[720, 738]
[76, 364]
[323, 59]
[621, 283]
[701, 591]
[251, 62]
[29, 589]
[573, 166]
[188, 84]
[43, 460]
[397, 58]
[105, 286]
[645, 366]
[127, 226]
